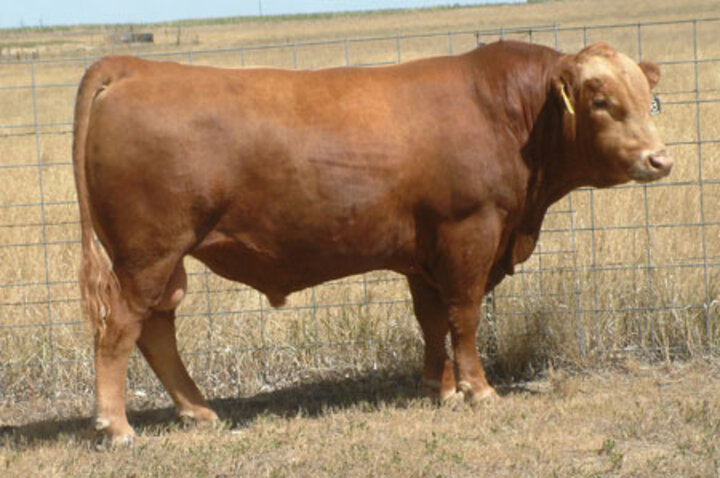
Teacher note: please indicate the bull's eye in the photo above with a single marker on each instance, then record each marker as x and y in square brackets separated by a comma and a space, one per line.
[600, 103]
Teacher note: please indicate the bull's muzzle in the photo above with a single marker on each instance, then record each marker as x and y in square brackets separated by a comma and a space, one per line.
[658, 162]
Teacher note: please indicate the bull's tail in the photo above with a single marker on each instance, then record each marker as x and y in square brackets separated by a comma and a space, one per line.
[98, 283]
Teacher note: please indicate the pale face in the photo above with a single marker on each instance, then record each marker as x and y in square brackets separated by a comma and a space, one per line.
[613, 111]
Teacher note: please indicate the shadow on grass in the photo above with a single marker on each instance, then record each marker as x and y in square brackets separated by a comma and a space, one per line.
[311, 399]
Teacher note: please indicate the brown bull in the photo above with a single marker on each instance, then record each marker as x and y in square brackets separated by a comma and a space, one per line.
[439, 169]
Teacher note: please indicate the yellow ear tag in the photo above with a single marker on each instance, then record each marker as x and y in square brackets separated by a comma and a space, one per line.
[567, 100]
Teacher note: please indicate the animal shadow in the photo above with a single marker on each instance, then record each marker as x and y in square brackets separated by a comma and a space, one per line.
[371, 389]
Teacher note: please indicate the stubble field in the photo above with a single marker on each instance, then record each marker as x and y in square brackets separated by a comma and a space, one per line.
[619, 275]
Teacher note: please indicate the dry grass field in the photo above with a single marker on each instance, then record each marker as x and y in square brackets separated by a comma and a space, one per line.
[635, 421]
[624, 274]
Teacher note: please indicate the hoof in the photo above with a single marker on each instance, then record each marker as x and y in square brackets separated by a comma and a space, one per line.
[200, 417]
[485, 395]
[123, 440]
[431, 389]
[114, 436]
[453, 400]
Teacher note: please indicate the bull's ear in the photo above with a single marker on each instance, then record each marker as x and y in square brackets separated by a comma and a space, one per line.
[563, 83]
[652, 72]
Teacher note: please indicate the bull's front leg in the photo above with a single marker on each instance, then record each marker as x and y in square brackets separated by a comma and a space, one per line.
[432, 315]
[465, 255]
[469, 369]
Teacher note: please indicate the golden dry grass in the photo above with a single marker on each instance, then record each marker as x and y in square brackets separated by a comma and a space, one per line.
[634, 421]
[631, 270]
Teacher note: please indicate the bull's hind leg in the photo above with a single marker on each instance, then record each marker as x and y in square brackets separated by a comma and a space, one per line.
[432, 314]
[140, 288]
[159, 346]
[112, 351]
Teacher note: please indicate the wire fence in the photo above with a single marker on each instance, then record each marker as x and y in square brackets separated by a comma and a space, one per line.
[628, 270]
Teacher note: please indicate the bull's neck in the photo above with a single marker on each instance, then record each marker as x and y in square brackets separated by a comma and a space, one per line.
[547, 148]
[535, 123]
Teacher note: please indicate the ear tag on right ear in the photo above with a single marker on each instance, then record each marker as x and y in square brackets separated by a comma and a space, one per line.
[655, 106]
[567, 100]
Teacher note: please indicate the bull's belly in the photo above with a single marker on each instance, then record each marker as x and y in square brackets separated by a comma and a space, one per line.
[278, 273]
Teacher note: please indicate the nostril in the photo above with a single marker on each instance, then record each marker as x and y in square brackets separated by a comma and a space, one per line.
[660, 160]
[655, 161]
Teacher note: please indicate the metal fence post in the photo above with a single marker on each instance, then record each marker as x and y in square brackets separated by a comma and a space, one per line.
[491, 340]
[649, 267]
[593, 247]
[44, 236]
[577, 292]
[703, 232]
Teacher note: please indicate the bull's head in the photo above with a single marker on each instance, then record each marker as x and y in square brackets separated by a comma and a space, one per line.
[607, 104]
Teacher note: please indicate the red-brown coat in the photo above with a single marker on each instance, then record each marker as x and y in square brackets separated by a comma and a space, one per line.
[439, 169]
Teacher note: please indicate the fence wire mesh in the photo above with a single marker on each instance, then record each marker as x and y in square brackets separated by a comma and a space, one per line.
[628, 270]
